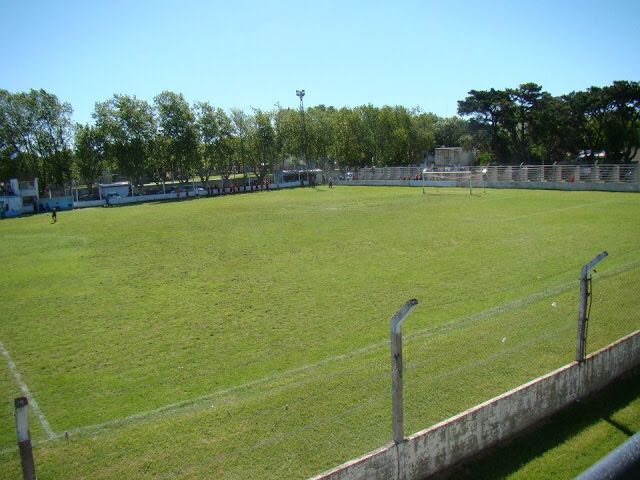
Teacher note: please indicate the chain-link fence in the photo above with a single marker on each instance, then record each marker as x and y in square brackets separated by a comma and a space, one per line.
[613, 305]
[471, 359]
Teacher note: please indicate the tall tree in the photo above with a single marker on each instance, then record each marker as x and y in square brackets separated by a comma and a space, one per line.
[177, 126]
[525, 101]
[616, 111]
[370, 142]
[35, 136]
[129, 127]
[215, 129]
[451, 131]
[491, 114]
[320, 134]
[241, 124]
[424, 126]
[262, 142]
[288, 136]
[89, 157]
[349, 137]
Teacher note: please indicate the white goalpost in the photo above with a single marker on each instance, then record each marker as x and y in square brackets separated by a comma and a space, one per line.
[463, 178]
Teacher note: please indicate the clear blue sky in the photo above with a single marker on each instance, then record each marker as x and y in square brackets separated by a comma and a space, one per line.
[242, 53]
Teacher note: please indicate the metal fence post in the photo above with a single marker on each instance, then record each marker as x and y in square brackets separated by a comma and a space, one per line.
[24, 438]
[583, 308]
[396, 369]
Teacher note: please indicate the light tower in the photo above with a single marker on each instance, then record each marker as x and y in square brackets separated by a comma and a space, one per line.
[300, 93]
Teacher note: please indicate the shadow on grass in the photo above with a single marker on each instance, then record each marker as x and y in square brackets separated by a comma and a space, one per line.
[509, 457]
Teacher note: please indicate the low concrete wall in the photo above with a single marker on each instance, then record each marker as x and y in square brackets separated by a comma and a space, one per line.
[467, 434]
[169, 196]
[574, 186]
[577, 186]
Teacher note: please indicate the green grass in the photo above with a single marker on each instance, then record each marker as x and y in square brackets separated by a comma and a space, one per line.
[247, 336]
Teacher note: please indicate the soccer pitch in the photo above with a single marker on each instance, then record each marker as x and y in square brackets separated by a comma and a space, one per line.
[247, 336]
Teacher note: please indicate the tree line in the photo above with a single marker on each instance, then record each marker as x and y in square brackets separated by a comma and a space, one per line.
[527, 124]
[169, 139]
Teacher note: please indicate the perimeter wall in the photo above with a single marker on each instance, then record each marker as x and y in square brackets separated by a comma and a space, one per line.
[582, 186]
[608, 178]
[467, 434]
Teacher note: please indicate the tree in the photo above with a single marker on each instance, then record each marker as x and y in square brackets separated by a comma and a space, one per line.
[552, 137]
[524, 100]
[451, 132]
[320, 134]
[288, 135]
[215, 129]
[35, 136]
[177, 126]
[370, 141]
[615, 109]
[424, 126]
[262, 143]
[89, 154]
[349, 137]
[129, 127]
[492, 114]
[241, 124]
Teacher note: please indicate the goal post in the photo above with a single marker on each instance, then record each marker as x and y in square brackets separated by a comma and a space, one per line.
[462, 178]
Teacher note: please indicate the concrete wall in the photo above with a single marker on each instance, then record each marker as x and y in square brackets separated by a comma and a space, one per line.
[465, 435]
[10, 205]
[61, 203]
[166, 196]
[584, 186]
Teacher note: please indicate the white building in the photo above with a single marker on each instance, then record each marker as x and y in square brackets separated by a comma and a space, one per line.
[19, 198]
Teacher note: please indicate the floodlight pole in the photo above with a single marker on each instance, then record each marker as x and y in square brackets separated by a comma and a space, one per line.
[583, 310]
[396, 369]
[300, 94]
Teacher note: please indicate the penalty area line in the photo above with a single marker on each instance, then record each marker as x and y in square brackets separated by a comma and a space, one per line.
[27, 393]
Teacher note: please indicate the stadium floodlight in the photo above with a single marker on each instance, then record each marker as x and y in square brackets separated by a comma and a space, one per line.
[300, 94]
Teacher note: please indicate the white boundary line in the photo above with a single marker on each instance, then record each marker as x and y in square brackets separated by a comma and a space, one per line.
[184, 404]
[25, 390]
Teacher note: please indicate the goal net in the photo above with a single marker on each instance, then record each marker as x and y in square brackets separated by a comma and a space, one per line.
[462, 179]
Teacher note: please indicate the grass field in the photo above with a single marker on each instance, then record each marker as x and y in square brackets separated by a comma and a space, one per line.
[247, 336]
